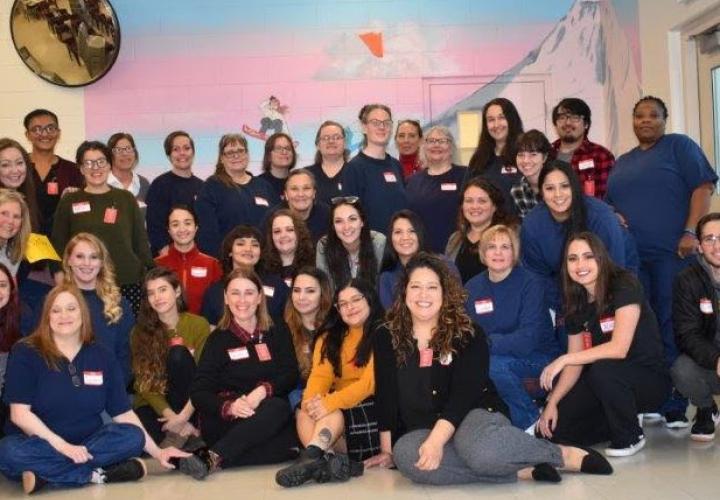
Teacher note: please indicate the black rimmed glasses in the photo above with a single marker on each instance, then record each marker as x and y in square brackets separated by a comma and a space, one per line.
[50, 129]
[234, 153]
[352, 301]
[98, 164]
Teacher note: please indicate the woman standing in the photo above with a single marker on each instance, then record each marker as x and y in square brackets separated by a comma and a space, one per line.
[177, 187]
[330, 160]
[614, 367]
[533, 151]
[350, 249]
[125, 159]
[337, 401]
[196, 270]
[408, 137]
[373, 175]
[240, 388]
[87, 265]
[166, 344]
[661, 188]
[481, 206]
[441, 421]
[494, 157]
[231, 196]
[59, 384]
[288, 245]
[14, 229]
[110, 214]
[280, 157]
[14, 165]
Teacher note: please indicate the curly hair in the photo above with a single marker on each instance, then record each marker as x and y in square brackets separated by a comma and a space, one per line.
[149, 340]
[304, 251]
[106, 287]
[293, 320]
[454, 326]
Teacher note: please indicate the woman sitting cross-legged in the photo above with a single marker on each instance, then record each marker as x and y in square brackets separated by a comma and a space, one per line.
[441, 420]
[240, 389]
[338, 411]
[59, 384]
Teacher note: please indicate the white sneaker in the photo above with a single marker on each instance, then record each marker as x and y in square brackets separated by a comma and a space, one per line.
[531, 430]
[651, 417]
[630, 450]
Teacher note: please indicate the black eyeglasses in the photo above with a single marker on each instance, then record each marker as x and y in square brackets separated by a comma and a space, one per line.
[73, 374]
[351, 200]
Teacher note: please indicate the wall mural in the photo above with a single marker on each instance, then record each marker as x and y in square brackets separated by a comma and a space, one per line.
[259, 67]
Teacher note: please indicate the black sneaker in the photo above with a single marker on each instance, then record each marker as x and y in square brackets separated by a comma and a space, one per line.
[31, 482]
[341, 468]
[676, 419]
[132, 469]
[309, 464]
[625, 450]
[706, 419]
[198, 465]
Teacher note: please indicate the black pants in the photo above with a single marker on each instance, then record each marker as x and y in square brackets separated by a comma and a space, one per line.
[604, 403]
[267, 437]
[180, 369]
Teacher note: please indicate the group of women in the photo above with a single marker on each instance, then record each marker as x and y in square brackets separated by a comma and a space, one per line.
[370, 312]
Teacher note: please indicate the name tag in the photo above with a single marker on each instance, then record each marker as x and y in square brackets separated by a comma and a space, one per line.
[589, 187]
[288, 282]
[142, 204]
[81, 207]
[448, 186]
[110, 216]
[586, 164]
[238, 353]
[198, 272]
[269, 291]
[706, 306]
[259, 200]
[587, 340]
[176, 340]
[484, 306]
[390, 177]
[446, 359]
[508, 169]
[607, 325]
[53, 188]
[262, 351]
[426, 357]
[93, 378]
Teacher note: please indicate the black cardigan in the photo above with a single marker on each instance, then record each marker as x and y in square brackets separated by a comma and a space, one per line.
[455, 388]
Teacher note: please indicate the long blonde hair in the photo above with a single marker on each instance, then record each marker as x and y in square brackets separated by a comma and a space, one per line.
[17, 244]
[106, 287]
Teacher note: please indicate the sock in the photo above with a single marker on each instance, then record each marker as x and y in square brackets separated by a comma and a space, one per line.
[97, 476]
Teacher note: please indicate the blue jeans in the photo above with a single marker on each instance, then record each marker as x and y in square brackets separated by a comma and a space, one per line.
[110, 444]
[508, 373]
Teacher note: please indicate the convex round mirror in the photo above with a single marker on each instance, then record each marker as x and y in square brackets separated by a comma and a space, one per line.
[66, 42]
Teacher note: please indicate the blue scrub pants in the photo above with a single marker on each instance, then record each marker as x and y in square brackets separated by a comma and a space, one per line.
[508, 374]
[656, 275]
[110, 444]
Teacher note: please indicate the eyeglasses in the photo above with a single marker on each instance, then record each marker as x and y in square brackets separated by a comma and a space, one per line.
[98, 164]
[234, 153]
[350, 200]
[352, 302]
[710, 239]
[47, 129]
[333, 138]
[380, 123]
[73, 374]
[567, 117]
[441, 141]
[282, 149]
[123, 149]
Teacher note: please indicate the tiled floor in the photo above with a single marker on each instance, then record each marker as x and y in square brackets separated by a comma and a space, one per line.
[670, 467]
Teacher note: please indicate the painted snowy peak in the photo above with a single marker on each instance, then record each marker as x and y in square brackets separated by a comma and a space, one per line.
[586, 55]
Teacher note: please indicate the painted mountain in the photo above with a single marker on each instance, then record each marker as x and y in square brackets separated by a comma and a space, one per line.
[586, 55]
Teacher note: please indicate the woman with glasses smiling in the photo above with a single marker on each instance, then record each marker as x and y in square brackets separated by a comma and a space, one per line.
[280, 157]
[330, 160]
[231, 196]
[434, 192]
[373, 175]
[125, 159]
[110, 214]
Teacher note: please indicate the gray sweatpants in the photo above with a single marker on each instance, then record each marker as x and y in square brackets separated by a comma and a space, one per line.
[694, 382]
[485, 448]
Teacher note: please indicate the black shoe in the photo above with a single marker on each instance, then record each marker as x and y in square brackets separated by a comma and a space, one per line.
[706, 419]
[676, 419]
[31, 482]
[341, 468]
[132, 469]
[198, 465]
[545, 472]
[309, 464]
[595, 463]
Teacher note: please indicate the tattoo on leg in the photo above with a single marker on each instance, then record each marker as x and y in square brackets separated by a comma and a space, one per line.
[325, 436]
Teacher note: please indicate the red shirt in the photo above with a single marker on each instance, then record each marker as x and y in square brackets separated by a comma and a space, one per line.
[410, 164]
[592, 163]
[196, 270]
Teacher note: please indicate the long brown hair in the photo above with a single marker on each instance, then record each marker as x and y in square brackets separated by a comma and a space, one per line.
[454, 325]
[149, 342]
[304, 251]
[293, 320]
[17, 245]
[27, 188]
[264, 322]
[42, 338]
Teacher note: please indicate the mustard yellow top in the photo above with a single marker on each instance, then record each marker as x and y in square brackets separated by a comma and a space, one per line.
[355, 384]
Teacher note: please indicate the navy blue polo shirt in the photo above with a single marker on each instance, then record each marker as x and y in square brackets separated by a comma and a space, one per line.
[73, 413]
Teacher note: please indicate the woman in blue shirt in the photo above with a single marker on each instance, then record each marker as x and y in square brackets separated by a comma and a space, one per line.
[59, 384]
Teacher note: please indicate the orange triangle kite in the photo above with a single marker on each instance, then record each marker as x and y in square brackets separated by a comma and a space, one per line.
[374, 42]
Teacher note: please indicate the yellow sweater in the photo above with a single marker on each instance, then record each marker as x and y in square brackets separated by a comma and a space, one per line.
[356, 383]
